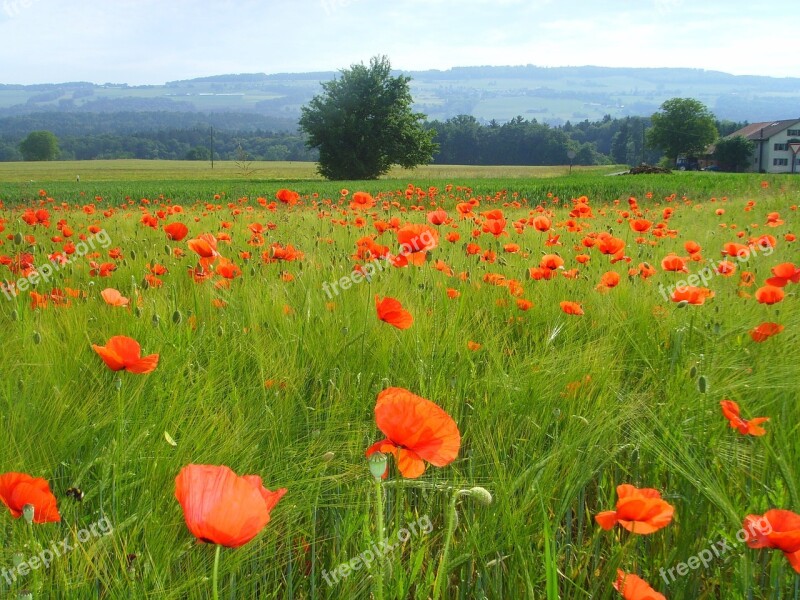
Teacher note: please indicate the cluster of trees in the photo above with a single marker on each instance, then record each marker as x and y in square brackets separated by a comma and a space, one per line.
[362, 123]
[464, 140]
[686, 127]
[177, 144]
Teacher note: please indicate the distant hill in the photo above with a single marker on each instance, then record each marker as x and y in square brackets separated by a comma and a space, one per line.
[550, 95]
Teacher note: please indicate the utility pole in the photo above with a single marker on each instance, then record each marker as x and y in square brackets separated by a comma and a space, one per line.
[642, 161]
[212, 146]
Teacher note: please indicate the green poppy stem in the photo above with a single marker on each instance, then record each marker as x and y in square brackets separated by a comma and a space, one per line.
[441, 574]
[378, 586]
[215, 573]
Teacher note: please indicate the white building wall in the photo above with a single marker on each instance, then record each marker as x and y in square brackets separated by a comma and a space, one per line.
[779, 154]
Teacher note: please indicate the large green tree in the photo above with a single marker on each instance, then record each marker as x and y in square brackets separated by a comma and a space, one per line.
[39, 145]
[362, 124]
[682, 126]
[734, 153]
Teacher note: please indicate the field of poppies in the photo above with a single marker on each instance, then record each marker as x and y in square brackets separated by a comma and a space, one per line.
[578, 387]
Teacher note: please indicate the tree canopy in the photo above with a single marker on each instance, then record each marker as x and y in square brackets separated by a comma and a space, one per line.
[733, 153]
[683, 126]
[362, 124]
[39, 145]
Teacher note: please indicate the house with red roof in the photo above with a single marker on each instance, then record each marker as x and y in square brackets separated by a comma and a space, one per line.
[777, 146]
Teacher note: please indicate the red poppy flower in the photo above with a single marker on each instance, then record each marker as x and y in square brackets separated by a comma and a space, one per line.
[752, 427]
[415, 241]
[288, 196]
[692, 247]
[114, 298]
[417, 431]
[571, 308]
[542, 223]
[611, 245]
[784, 273]
[672, 262]
[122, 352]
[221, 507]
[437, 217]
[640, 225]
[764, 331]
[176, 231]
[19, 489]
[639, 511]
[769, 294]
[633, 587]
[205, 246]
[551, 261]
[609, 280]
[778, 529]
[391, 311]
[691, 294]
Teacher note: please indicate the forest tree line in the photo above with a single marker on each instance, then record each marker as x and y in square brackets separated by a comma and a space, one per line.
[462, 139]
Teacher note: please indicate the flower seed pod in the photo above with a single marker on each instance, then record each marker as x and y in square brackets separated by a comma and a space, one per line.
[377, 465]
[28, 513]
[481, 495]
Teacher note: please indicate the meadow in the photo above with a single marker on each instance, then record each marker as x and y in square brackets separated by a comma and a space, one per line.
[543, 322]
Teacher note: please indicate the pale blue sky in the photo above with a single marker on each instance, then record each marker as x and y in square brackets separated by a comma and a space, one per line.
[153, 41]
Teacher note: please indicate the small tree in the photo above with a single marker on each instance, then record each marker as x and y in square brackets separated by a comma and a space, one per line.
[734, 153]
[243, 162]
[684, 126]
[362, 124]
[39, 145]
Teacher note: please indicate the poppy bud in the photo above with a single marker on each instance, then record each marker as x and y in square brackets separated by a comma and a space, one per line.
[156, 320]
[27, 512]
[377, 465]
[118, 384]
[683, 303]
[18, 238]
[168, 250]
[137, 312]
[37, 338]
[14, 315]
[177, 317]
[693, 371]
[480, 494]
[132, 254]
[328, 456]
[702, 384]
[220, 331]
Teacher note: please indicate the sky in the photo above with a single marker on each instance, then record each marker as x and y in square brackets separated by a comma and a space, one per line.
[155, 41]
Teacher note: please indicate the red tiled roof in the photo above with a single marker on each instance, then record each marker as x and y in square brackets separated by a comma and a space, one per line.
[765, 130]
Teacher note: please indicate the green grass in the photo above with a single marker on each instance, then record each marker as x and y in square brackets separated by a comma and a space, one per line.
[554, 410]
[147, 170]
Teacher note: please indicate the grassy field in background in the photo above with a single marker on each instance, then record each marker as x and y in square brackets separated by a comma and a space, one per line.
[271, 375]
[138, 170]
